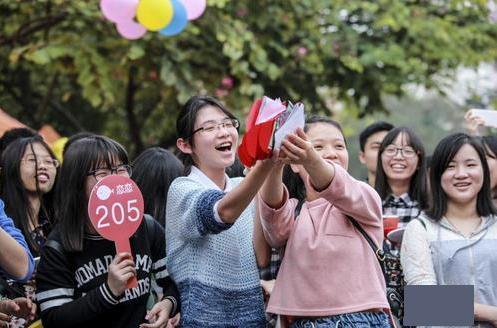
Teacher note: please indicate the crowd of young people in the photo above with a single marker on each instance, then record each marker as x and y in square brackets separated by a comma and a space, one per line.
[209, 235]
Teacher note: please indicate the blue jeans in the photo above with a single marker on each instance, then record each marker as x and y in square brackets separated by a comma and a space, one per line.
[347, 320]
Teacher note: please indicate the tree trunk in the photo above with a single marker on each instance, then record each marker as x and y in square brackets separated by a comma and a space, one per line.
[129, 106]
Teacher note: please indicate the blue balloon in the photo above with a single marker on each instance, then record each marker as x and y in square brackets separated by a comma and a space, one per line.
[179, 22]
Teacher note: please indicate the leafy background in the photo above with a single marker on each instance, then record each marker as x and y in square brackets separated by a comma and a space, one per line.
[62, 63]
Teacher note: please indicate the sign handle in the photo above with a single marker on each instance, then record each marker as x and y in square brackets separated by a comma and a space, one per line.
[123, 246]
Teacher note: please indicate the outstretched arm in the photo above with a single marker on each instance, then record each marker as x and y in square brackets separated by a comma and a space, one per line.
[231, 206]
[276, 211]
[298, 150]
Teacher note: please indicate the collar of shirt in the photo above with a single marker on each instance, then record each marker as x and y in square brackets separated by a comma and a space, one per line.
[404, 198]
[199, 176]
[486, 222]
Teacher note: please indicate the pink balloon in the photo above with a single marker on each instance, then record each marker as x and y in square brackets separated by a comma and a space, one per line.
[119, 10]
[131, 30]
[194, 8]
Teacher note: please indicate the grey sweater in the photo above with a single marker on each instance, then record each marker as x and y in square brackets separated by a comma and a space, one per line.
[438, 254]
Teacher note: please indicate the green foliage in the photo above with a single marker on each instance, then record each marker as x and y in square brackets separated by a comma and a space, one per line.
[62, 62]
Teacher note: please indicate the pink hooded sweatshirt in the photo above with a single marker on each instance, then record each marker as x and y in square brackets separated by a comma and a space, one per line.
[328, 267]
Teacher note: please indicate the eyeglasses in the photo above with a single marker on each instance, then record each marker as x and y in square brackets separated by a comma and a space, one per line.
[47, 162]
[407, 152]
[211, 126]
[100, 173]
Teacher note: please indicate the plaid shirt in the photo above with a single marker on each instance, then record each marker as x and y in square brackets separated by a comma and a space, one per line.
[271, 271]
[403, 207]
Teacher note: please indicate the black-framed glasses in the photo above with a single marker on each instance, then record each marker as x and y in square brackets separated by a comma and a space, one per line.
[100, 173]
[211, 126]
[406, 152]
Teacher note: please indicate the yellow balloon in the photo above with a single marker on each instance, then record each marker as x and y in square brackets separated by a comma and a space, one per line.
[36, 324]
[58, 146]
[154, 14]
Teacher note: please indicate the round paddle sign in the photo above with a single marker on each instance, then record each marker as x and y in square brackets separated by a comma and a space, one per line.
[115, 209]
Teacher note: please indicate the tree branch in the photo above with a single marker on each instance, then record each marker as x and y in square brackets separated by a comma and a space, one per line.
[53, 104]
[33, 26]
[129, 107]
[67, 115]
[48, 96]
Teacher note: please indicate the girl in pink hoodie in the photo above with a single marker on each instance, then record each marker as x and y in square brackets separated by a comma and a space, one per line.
[329, 277]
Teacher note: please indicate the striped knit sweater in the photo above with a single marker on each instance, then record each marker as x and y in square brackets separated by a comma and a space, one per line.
[212, 263]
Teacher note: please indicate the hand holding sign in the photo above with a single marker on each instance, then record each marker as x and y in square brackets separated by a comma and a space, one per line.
[115, 209]
[121, 271]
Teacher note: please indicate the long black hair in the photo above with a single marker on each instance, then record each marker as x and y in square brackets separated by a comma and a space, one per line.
[84, 156]
[444, 153]
[293, 181]
[491, 143]
[153, 171]
[417, 186]
[75, 137]
[14, 193]
[185, 123]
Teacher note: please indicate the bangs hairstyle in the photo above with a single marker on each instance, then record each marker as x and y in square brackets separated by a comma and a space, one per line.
[153, 171]
[84, 156]
[417, 187]
[185, 123]
[292, 181]
[444, 153]
[14, 193]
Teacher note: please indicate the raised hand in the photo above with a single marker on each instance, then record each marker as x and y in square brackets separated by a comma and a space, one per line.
[297, 149]
[473, 122]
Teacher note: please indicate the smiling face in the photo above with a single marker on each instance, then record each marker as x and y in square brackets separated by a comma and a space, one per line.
[403, 163]
[37, 166]
[462, 180]
[329, 143]
[369, 156]
[213, 150]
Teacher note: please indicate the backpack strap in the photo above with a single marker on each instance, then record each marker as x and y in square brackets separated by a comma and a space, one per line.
[421, 221]
[55, 245]
[149, 223]
[380, 255]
